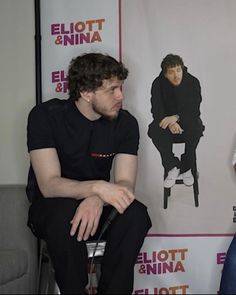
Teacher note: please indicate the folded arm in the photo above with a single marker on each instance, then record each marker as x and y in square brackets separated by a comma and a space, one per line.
[119, 194]
[95, 193]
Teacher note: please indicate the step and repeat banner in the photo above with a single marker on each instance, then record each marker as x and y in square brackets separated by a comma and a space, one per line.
[181, 264]
[185, 249]
[71, 28]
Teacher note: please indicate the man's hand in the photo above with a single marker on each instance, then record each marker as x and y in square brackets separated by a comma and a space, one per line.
[168, 121]
[175, 129]
[116, 195]
[87, 217]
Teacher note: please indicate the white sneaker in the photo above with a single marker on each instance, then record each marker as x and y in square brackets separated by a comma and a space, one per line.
[171, 177]
[188, 178]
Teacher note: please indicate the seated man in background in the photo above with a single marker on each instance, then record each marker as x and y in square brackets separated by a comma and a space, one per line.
[176, 98]
[72, 145]
[228, 279]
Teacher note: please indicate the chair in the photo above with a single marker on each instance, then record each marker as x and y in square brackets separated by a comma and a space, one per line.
[18, 246]
[46, 275]
[46, 278]
[167, 191]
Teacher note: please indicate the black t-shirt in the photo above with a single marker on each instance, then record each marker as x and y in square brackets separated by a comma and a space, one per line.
[85, 148]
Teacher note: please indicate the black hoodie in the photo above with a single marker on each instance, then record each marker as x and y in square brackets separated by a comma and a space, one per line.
[184, 100]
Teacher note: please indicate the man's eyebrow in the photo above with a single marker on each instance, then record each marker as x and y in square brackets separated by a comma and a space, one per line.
[115, 86]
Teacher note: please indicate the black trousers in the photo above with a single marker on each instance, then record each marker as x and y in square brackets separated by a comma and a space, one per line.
[49, 218]
[163, 140]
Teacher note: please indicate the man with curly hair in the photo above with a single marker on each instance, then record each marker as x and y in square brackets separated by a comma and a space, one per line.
[176, 98]
[73, 144]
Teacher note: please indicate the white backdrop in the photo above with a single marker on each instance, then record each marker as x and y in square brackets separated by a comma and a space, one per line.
[203, 33]
[71, 29]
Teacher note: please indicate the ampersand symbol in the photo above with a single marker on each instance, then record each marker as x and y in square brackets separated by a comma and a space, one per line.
[142, 268]
[58, 40]
[59, 87]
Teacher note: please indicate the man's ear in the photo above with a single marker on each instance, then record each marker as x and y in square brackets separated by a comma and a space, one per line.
[86, 95]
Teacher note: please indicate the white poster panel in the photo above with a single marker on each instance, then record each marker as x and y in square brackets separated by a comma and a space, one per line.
[182, 264]
[201, 32]
[70, 28]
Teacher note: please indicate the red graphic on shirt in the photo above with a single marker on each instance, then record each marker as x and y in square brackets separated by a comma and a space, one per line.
[95, 155]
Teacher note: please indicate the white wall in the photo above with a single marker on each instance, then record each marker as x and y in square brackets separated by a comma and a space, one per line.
[17, 84]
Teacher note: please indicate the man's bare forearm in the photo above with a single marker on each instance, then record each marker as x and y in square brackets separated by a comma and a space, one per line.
[64, 187]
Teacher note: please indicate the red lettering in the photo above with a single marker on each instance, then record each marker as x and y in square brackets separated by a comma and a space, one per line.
[63, 31]
[79, 27]
[100, 23]
[139, 258]
[220, 258]
[63, 76]
[145, 260]
[55, 29]
[96, 37]
[55, 76]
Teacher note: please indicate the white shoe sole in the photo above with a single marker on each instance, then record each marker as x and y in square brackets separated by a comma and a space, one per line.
[169, 186]
[188, 184]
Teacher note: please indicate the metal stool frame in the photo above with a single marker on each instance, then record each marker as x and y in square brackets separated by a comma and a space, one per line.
[46, 283]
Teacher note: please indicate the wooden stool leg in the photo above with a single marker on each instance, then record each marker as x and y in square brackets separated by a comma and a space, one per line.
[166, 195]
[195, 184]
[167, 191]
[196, 191]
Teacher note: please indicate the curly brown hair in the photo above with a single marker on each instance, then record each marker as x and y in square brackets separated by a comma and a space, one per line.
[87, 72]
[171, 61]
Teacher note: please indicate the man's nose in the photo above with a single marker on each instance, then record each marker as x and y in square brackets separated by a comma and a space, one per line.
[176, 75]
[119, 95]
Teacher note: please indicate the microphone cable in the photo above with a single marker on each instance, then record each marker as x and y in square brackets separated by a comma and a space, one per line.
[111, 216]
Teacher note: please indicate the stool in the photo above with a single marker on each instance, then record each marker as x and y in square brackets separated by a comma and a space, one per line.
[167, 191]
[46, 276]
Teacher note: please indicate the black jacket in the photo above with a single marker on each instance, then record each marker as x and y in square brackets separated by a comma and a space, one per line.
[184, 100]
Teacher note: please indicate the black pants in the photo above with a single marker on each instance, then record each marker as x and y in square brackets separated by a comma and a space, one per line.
[163, 140]
[228, 278]
[49, 218]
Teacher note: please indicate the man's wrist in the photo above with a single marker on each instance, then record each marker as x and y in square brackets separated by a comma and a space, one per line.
[95, 187]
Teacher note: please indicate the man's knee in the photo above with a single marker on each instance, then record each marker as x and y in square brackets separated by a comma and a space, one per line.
[159, 136]
[52, 216]
[153, 130]
[139, 214]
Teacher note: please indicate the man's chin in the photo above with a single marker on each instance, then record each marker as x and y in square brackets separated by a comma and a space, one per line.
[110, 116]
[177, 83]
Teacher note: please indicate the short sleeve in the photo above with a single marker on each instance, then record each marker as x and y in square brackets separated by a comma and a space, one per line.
[129, 143]
[39, 129]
